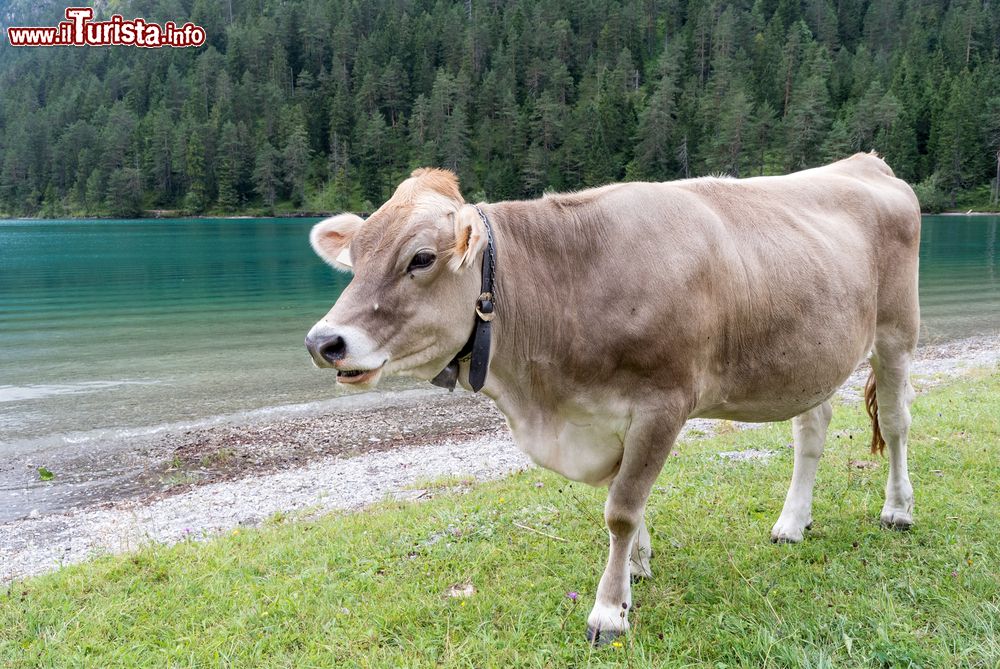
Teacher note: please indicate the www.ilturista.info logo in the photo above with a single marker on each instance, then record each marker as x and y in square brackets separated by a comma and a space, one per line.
[79, 30]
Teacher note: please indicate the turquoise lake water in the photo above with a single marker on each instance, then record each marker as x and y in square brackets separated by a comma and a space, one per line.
[113, 326]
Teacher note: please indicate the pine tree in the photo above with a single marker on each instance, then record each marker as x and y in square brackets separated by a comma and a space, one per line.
[372, 146]
[197, 188]
[991, 127]
[901, 145]
[839, 142]
[424, 152]
[95, 191]
[806, 123]
[608, 120]
[265, 173]
[956, 140]
[447, 123]
[230, 168]
[791, 60]
[874, 116]
[656, 136]
[160, 156]
[124, 193]
[728, 147]
[295, 158]
[764, 125]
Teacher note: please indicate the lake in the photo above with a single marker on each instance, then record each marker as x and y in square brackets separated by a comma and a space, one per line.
[111, 328]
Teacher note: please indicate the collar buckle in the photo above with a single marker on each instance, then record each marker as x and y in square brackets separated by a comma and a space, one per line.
[485, 307]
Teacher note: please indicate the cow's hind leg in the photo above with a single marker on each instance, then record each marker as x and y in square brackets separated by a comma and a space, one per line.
[642, 551]
[647, 445]
[891, 364]
[809, 437]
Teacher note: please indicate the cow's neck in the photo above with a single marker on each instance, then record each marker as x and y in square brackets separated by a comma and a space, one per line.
[538, 306]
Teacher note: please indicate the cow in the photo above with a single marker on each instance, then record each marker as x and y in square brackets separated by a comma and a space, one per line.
[599, 321]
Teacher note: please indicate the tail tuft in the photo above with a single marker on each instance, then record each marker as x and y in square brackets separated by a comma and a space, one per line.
[871, 405]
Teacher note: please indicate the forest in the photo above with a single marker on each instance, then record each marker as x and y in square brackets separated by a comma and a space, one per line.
[325, 105]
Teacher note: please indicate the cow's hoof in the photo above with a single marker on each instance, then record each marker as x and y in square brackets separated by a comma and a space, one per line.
[601, 637]
[788, 531]
[786, 539]
[897, 519]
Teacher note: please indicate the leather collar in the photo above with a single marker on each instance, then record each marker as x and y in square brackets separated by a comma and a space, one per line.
[477, 348]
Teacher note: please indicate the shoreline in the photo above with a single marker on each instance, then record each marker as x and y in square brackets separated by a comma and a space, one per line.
[172, 486]
[144, 464]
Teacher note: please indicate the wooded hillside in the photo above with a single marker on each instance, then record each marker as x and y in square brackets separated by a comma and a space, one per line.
[326, 105]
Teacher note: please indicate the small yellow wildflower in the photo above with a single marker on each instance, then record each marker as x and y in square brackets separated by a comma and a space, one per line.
[616, 644]
[501, 500]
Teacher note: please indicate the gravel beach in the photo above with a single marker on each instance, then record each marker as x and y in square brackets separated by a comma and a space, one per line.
[195, 483]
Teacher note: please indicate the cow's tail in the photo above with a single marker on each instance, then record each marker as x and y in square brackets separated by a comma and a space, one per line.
[871, 405]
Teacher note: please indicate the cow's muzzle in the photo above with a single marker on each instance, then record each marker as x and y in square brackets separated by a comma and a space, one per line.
[348, 350]
[330, 350]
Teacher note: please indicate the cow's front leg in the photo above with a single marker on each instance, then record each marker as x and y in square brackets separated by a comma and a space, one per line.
[646, 447]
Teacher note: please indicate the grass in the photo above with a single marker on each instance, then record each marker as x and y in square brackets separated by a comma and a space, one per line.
[372, 589]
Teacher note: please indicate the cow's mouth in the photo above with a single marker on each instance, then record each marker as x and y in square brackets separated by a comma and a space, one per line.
[352, 376]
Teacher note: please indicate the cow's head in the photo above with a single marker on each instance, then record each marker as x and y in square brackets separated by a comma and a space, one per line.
[410, 306]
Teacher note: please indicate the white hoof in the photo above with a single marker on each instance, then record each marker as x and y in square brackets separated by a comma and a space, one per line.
[897, 519]
[789, 530]
[608, 622]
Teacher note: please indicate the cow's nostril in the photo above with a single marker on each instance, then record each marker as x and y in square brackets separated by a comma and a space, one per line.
[333, 350]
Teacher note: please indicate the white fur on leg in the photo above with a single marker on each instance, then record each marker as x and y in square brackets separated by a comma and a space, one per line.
[609, 618]
[897, 512]
[894, 392]
[809, 435]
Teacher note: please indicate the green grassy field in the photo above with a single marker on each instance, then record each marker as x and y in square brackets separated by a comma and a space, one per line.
[375, 589]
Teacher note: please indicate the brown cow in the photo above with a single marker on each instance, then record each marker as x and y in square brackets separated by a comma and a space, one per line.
[622, 311]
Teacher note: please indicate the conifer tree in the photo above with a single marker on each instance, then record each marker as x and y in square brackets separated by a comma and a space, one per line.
[656, 136]
[265, 173]
[295, 159]
[230, 163]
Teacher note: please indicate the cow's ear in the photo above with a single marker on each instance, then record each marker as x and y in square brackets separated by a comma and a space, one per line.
[470, 237]
[331, 239]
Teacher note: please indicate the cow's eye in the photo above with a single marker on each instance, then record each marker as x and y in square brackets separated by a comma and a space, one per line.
[422, 260]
